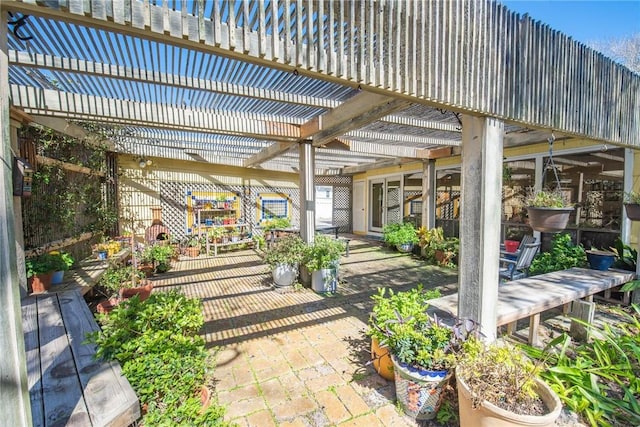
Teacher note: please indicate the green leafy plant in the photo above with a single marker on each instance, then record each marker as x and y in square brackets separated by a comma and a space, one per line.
[162, 356]
[388, 305]
[159, 255]
[632, 198]
[276, 223]
[323, 253]
[119, 276]
[564, 254]
[402, 323]
[399, 234]
[548, 199]
[289, 249]
[429, 239]
[44, 263]
[626, 256]
[599, 380]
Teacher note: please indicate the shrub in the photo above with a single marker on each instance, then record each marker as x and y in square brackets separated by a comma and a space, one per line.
[323, 252]
[45, 263]
[599, 380]
[162, 356]
[564, 254]
[289, 249]
[399, 234]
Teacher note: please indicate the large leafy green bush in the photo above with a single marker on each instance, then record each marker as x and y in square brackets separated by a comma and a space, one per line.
[162, 356]
[600, 379]
[400, 234]
[564, 254]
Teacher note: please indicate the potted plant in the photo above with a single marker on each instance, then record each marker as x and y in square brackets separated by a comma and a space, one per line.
[159, 256]
[216, 233]
[65, 263]
[271, 224]
[192, 246]
[600, 259]
[632, 205]
[386, 305]
[40, 269]
[284, 257]
[401, 236]
[499, 386]
[423, 352]
[123, 282]
[322, 260]
[446, 251]
[548, 211]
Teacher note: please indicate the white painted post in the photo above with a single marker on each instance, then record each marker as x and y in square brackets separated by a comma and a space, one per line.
[307, 192]
[627, 186]
[14, 392]
[428, 193]
[481, 184]
[538, 176]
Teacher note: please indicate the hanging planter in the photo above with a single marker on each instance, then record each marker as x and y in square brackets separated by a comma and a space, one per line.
[633, 211]
[549, 211]
[548, 219]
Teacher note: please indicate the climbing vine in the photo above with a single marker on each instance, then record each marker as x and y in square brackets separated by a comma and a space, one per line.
[65, 203]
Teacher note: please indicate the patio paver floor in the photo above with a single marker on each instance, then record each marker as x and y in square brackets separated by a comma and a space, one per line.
[297, 358]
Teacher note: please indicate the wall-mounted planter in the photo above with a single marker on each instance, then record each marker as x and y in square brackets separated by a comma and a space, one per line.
[548, 220]
[633, 211]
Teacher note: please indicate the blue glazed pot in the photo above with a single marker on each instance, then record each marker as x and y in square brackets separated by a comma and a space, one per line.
[57, 277]
[600, 260]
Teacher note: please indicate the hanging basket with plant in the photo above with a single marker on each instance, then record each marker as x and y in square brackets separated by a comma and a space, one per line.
[632, 205]
[549, 210]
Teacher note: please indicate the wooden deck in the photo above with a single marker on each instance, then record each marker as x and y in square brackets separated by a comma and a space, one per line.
[529, 297]
[67, 386]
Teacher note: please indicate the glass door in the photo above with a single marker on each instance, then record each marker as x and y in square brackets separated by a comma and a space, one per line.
[377, 205]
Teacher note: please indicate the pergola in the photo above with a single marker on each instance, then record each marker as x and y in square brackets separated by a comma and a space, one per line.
[317, 87]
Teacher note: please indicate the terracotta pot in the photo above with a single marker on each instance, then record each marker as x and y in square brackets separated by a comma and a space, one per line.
[142, 291]
[548, 220]
[147, 269]
[106, 306]
[490, 415]
[40, 283]
[205, 398]
[192, 251]
[381, 360]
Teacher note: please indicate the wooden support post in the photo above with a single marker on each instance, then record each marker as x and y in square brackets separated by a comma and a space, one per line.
[480, 221]
[534, 325]
[584, 311]
[307, 192]
[428, 193]
[512, 327]
[566, 308]
[14, 391]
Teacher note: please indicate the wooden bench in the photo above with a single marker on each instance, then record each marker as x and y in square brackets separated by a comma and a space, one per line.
[531, 296]
[67, 385]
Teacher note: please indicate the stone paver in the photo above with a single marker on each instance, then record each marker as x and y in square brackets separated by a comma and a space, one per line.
[299, 359]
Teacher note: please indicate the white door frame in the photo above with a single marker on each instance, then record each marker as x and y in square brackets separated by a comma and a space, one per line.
[359, 214]
[382, 180]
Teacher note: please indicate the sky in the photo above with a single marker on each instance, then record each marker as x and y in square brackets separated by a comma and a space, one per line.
[584, 20]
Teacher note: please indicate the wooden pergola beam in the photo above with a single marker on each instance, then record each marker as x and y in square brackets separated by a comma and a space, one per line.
[80, 106]
[64, 127]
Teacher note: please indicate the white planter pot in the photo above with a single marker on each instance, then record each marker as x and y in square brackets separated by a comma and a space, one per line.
[285, 274]
[326, 279]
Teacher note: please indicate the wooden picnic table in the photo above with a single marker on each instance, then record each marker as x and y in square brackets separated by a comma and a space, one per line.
[67, 386]
[530, 296]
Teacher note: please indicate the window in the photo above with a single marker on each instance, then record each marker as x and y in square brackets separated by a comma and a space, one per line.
[274, 208]
[415, 207]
